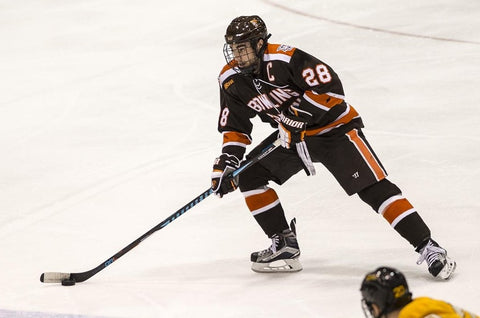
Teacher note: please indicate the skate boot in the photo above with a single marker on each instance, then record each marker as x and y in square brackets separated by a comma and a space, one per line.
[439, 264]
[281, 256]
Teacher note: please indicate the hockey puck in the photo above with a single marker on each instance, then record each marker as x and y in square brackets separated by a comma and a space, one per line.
[68, 282]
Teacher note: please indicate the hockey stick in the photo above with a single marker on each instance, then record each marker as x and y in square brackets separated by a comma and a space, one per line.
[72, 278]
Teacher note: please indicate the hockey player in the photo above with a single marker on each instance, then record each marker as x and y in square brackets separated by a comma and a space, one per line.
[303, 98]
[385, 294]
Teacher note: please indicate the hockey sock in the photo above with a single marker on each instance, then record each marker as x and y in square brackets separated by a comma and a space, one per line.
[386, 198]
[272, 221]
[413, 229]
[267, 210]
[401, 215]
[376, 194]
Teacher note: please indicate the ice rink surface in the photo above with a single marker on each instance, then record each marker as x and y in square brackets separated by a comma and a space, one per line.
[108, 118]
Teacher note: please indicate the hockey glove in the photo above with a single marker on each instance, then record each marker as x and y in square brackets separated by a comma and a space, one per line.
[291, 130]
[222, 182]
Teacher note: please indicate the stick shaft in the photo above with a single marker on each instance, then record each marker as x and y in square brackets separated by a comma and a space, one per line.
[57, 277]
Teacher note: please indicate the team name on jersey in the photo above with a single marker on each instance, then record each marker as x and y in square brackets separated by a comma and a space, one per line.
[273, 99]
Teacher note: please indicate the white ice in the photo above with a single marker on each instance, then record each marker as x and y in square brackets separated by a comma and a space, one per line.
[108, 112]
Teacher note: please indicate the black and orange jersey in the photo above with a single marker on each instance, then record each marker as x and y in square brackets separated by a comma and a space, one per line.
[288, 78]
[428, 307]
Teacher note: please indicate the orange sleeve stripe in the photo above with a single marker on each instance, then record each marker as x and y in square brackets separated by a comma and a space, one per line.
[367, 155]
[323, 99]
[341, 120]
[260, 200]
[396, 209]
[233, 137]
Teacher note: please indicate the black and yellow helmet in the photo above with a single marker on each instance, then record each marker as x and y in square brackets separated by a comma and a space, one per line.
[385, 287]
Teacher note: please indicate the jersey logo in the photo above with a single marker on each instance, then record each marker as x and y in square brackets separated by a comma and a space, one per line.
[284, 48]
[227, 84]
[257, 84]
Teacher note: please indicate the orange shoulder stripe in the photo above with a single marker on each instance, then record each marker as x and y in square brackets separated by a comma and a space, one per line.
[226, 72]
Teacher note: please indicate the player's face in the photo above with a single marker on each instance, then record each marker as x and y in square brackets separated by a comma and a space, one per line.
[244, 54]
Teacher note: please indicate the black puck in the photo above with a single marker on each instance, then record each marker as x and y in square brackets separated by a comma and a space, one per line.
[68, 282]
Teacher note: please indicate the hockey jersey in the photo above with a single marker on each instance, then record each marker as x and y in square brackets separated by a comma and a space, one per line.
[289, 78]
[424, 307]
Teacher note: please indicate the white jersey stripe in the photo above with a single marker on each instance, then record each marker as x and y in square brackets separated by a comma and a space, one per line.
[225, 75]
[314, 103]
[336, 95]
[277, 57]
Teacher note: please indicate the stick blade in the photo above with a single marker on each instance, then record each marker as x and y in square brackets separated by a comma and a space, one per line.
[54, 277]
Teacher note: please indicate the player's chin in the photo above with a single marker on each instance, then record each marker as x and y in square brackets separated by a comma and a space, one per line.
[250, 69]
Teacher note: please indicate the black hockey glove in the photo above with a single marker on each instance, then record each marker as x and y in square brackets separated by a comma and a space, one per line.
[291, 130]
[222, 183]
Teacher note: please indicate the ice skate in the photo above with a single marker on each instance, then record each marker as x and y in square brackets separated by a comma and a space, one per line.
[439, 264]
[281, 256]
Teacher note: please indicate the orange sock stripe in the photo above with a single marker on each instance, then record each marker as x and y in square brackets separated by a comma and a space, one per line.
[367, 154]
[260, 200]
[396, 209]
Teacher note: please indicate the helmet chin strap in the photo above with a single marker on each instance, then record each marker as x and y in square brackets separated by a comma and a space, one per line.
[259, 54]
[264, 46]
[383, 312]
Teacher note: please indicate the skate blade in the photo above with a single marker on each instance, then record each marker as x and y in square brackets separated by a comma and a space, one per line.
[448, 269]
[280, 266]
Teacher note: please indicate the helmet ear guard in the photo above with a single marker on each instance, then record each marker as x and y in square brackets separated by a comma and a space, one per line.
[385, 287]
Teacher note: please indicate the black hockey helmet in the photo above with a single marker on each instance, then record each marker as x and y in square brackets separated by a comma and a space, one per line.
[246, 28]
[385, 287]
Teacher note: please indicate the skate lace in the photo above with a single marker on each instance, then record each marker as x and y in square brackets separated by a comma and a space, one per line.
[273, 247]
[430, 253]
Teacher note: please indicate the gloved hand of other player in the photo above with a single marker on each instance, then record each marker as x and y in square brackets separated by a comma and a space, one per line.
[291, 130]
[222, 167]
